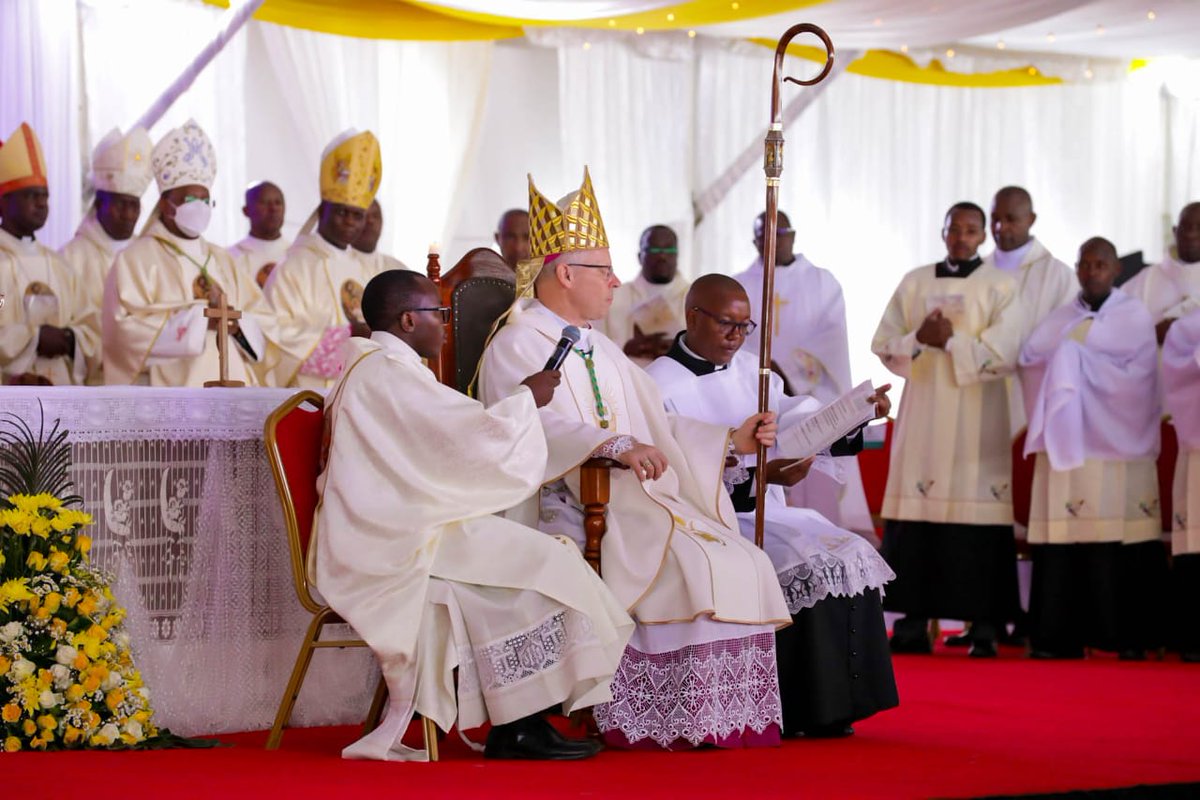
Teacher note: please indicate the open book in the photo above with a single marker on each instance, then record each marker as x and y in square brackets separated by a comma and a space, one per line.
[833, 422]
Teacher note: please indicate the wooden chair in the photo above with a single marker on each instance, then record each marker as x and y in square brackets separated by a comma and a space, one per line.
[294, 437]
[478, 290]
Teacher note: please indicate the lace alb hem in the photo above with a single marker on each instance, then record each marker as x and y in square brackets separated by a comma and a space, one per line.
[614, 447]
[823, 575]
[708, 692]
[544, 646]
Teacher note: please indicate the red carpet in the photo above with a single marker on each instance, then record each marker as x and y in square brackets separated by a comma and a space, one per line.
[964, 728]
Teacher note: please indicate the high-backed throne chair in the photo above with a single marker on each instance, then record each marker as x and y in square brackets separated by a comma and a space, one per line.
[478, 290]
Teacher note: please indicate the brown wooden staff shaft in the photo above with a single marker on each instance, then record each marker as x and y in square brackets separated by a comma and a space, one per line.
[773, 167]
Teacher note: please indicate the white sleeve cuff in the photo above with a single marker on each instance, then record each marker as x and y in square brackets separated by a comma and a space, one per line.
[254, 336]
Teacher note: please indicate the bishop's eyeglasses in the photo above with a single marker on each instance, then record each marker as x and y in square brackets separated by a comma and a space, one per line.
[728, 326]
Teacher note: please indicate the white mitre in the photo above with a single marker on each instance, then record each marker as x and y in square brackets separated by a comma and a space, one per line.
[184, 157]
[121, 164]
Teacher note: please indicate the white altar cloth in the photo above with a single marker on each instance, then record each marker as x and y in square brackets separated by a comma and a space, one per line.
[188, 523]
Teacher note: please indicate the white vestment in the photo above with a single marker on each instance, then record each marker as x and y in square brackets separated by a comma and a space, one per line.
[90, 255]
[408, 551]
[810, 345]
[1181, 396]
[257, 258]
[1169, 289]
[951, 459]
[315, 292]
[1043, 284]
[653, 307]
[40, 289]
[813, 558]
[155, 330]
[378, 262]
[1091, 396]
[705, 599]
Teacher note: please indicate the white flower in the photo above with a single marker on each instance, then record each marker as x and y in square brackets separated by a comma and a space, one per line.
[11, 632]
[122, 640]
[134, 729]
[49, 699]
[65, 655]
[108, 734]
[144, 693]
[62, 676]
[112, 681]
[21, 669]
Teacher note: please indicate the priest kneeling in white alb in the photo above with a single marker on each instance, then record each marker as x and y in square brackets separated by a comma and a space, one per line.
[1181, 396]
[834, 664]
[155, 328]
[700, 668]
[1089, 372]
[410, 554]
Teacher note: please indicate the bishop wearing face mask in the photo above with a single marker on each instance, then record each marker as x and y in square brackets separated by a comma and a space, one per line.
[155, 330]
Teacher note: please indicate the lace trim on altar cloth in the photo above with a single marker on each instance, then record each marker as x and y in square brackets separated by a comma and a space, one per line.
[822, 575]
[509, 660]
[701, 693]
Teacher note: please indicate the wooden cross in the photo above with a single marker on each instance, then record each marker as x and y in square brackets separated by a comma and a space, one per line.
[223, 314]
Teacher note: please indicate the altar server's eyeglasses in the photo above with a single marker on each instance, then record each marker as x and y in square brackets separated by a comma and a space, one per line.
[443, 310]
[728, 326]
[661, 251]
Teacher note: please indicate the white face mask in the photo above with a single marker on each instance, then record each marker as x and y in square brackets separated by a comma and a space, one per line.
[193, 216]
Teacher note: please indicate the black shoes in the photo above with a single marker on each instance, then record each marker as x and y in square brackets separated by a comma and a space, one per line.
[958, 639]
[1052, 654]
[911, 635]
[982, 648]
[836, 730]
[533, 738]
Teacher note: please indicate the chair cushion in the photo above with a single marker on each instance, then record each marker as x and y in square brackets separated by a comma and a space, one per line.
[298, 437]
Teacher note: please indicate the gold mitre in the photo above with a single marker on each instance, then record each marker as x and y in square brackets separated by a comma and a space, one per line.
[351, 169]
[573, 223]
[21, 162]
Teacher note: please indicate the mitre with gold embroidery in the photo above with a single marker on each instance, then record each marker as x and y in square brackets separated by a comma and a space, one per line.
[351, 169]
[21, 162]
[573, 223]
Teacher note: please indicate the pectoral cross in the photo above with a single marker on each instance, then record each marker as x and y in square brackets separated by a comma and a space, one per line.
[780, 302]
[223, 314]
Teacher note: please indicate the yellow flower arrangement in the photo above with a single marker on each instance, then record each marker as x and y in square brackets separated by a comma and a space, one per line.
[66, 679]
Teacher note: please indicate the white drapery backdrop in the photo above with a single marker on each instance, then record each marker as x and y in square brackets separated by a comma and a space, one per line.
[870, 166]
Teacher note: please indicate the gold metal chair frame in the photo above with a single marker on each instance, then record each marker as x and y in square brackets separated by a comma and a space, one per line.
[322, 614]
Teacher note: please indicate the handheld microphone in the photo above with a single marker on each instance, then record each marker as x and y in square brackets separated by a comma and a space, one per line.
[570, 335]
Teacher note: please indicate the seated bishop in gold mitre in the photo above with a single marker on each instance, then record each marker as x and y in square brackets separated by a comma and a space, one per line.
[672, 555]
[317, 289]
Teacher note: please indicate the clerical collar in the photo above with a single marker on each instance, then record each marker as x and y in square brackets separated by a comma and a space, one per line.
[684, 355]
[585, 331]
[1011, 260]
[1093, 307]
[26, 244]
[392, 342]
[949, 268]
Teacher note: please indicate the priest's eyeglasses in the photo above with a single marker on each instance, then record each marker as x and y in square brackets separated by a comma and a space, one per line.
[444, 310]
[728, 326]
